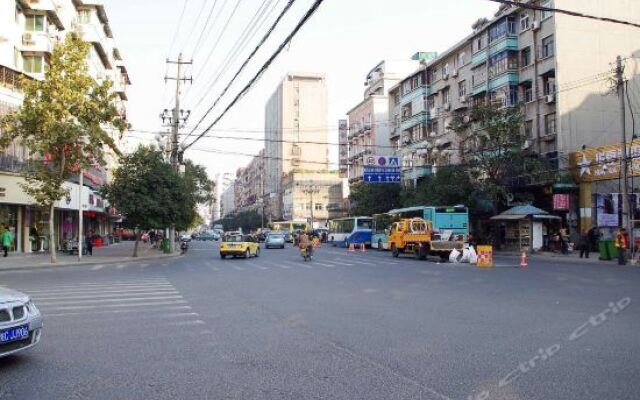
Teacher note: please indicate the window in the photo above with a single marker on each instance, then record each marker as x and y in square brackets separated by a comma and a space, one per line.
[549, 84]
[34, 23]
[461, 57]
[547, 4]
[33, 64]
[434, 127]
[445, 96]
[525, 57]
[478, 44]
[503, 62]
[528, 129]
[524, 22]
[396, 97]
[318, 207]
[527, 92]
[84, 16]
[462, 88]
[431, 102]
[506, 26]
[406, 87]
[445, 69]
[548, 48]
[550, 124]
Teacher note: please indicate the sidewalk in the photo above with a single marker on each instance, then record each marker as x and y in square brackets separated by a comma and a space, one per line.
[115, 253]
[594, 257]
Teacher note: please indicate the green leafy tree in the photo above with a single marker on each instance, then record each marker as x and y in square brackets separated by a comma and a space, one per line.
[495, 153]
[369, 199]
[149, 193]
[450, 185]
[60, 124]
[247, 220]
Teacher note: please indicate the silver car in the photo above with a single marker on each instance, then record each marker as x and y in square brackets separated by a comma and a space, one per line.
[274, 240]
[20, 322]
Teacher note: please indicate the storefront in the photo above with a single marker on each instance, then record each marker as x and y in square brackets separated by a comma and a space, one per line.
[526, 228]
[598, 171]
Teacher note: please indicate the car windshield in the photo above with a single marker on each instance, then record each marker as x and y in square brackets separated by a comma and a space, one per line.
[233, 238]
[278, 236]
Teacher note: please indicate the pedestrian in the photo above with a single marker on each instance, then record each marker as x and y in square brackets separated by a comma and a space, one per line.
[88, 244]
[7, 240]
[564, 240]
[585, 243]
[594, 235]
[622, 244]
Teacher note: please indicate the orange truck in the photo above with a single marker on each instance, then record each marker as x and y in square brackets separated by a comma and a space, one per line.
[411, 235]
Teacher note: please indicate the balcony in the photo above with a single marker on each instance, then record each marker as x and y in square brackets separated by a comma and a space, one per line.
[9, 163]
[11, 78]
[36, 42]
[415, 93]
[504, 43]
[417, 172]
[479, 57]
[410, 122]
[96, 35]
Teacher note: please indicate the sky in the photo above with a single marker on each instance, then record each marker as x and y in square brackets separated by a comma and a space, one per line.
[344, 40]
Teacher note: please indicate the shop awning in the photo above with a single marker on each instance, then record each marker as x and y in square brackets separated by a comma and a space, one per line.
[546, 217]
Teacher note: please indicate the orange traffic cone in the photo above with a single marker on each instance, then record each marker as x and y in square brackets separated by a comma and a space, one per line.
[362, 247]
[524, 260]
[351, 248]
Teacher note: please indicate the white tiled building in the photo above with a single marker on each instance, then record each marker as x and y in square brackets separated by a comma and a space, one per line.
[29, 30]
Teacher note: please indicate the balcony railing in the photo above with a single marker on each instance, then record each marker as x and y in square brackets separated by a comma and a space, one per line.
[11, 78]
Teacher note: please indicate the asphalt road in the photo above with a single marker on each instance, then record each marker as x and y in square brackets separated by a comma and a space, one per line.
[344, 326]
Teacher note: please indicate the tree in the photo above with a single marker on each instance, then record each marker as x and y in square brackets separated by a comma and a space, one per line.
[60, 124]
[149, 193]
[450, 185]
[369, 199]
[496, 154]
[247, 220]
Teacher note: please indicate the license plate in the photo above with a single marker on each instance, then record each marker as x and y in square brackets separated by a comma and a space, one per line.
[13, 334]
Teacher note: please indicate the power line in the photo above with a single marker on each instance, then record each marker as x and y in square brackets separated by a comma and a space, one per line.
[195, 24]
[175, 34]
[250, 57]
[204, 28]
[518, 3]
[245, 38]
[264, 67]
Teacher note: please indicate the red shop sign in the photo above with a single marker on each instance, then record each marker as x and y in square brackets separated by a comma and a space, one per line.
[561, 202]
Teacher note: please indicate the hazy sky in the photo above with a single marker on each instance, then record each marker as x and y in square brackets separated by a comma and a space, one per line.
[343, 40]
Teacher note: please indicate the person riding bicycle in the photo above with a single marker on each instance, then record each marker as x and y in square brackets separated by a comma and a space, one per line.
[305, 243]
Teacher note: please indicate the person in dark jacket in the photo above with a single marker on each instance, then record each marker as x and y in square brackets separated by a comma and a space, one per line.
[88, 244]
[585, 243]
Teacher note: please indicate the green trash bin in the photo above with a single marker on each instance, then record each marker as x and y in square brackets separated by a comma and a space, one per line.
[165, 246]
[603, 249]
[611, 248]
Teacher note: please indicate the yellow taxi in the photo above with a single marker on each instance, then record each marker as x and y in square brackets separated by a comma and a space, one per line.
[239, 245]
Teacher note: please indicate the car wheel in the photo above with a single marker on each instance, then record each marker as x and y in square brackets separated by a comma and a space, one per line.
[247, 254]
[380, 247]
[394, 250]
[258, 252]
[346, 244]
[223, 256]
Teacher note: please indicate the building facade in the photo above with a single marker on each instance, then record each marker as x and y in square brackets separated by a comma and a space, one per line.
[369, 126]
[250, 180]
[295, 132]
[28, 32]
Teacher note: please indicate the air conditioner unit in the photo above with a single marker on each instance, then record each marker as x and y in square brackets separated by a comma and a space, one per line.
[550, 98]
[454, 73]
[536, 25]
[463, 99]
[27, 37]
[446, 106]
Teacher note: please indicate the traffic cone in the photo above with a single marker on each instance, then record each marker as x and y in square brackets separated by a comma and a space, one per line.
[524, 260]
[351, 248]
[362, 247]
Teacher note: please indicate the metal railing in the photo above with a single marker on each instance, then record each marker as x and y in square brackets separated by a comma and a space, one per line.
[11, 78]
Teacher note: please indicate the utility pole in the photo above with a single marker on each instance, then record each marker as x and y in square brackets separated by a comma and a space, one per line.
[177, 117]
[311, 189]
[626, 206]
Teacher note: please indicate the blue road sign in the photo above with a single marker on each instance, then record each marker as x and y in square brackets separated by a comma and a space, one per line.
[382, 177]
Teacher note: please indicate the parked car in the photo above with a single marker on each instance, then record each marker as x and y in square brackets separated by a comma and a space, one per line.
[185, 238]
[239, 245]
[20, 322]
[262, 235]
[274, 240]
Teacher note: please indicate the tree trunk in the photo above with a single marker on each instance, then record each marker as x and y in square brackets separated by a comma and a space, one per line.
[52, 235]
[135, 246]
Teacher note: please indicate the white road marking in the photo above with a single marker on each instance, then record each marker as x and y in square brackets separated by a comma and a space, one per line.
[158, 303]
[97, 267]
[147, 312]
[121, 266]
[237, 268]
[106, 295]
[325, 265]
[124, 299]
[101, 290]
[257, 266]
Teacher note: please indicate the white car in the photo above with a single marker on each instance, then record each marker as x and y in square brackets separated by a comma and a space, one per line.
[20, 322]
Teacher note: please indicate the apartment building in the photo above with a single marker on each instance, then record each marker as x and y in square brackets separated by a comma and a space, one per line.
[369, 124]
[250, 181]
[29, 30]
[227, 200]
[295, 132]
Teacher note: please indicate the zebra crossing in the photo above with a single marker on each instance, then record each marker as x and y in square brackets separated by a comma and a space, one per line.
[150, 301]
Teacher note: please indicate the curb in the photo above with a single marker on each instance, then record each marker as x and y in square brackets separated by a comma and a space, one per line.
[82, 264]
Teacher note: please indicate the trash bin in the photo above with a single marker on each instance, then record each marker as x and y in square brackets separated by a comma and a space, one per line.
[611, 248]
[603, 249]
[165, 246]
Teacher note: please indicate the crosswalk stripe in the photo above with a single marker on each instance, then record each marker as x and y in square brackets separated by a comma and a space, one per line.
[147, 312]
[325, 265]
[237, 268]
[124, 299]
[95, 307]
[97, 267]
[257, 266]
[101, 290]
[105, 295]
